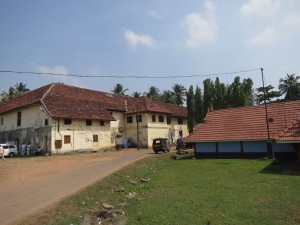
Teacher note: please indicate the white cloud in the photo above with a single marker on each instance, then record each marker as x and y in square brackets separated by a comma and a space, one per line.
[264, 8]
[267, 37]
[55, 69]
[292, 21]
[134, 39]
[202, 28]
[155, 14]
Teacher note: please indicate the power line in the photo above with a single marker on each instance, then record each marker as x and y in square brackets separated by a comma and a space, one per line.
[129, 76]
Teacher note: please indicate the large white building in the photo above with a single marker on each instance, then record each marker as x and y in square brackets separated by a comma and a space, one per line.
[62, 118]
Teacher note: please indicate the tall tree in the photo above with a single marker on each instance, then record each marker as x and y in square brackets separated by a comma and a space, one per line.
[179, 93]
[119, 89]
[290, 87]
[153, 93]
[269, 94]
[198, 114]
[190, 108]
[167, 97]
[219, 93]
[248, 91]
[238, 97]
[207, 96]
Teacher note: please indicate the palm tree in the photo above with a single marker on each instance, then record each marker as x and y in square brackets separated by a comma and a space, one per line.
[20, 88]
[179, 92]
[168, 97]
[153, 93]
[119, 89]
[136, 94]
[290, 87]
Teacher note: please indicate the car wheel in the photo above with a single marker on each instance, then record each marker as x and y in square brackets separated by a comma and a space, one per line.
[11, 154]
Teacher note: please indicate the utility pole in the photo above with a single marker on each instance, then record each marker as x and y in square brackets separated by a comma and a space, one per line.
[269, 142]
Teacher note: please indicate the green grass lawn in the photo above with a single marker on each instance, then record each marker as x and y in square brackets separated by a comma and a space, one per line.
[189, 191]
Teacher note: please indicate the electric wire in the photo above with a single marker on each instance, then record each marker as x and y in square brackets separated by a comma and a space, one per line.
[128, 76]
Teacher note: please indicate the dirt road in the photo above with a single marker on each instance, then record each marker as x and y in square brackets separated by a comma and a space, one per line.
[29, 184]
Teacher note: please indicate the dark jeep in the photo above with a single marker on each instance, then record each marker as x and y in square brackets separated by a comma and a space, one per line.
[161, 145]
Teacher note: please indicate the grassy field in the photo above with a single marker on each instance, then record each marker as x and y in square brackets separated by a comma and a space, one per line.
[189, 191]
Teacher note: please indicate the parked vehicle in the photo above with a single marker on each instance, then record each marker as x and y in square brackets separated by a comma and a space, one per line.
[180, 145]
[10, 150]
[161, 145]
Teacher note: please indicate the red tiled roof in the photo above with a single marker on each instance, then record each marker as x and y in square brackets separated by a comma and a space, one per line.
[26, 99]
[66, 101]
[145, 104]
[249, 123]
[177, 110]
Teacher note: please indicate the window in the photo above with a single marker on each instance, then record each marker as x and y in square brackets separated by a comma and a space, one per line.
[153, 118]
[19, 119]
[95, 138]
[129, 119]
[46, 122]
[139, 118]
[88, 122]
[168, 120]
[180, 134]
[68, 121]
[102, 123]
[180, 121]
[67, 139]
[161, 118]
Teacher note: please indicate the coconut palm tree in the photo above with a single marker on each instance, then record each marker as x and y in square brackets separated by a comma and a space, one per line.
[119, 89]
[179, 92]
[168, 97]
[136, 94]
[290, 87]
[153, 93]
[14, 91]
[20, 88]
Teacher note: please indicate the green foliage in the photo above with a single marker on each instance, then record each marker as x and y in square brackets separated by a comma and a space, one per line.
[190, 103]
[119, 89]
[208, 95]
[153, 93]
[198, 112]
[167, 97]
[136, 94]
[269, 94]
[14, 91]
[290, 87]
[179, 92]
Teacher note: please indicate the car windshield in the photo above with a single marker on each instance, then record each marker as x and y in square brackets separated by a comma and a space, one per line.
[156, 141]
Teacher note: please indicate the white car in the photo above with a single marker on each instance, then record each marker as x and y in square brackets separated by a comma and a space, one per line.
[10, 150]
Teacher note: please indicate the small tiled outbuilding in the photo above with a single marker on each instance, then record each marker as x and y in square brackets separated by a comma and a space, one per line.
[244, 132]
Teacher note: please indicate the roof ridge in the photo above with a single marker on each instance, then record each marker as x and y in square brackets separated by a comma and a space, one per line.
[44, 95]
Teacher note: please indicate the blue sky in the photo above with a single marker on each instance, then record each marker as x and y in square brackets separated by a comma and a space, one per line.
[147, 38]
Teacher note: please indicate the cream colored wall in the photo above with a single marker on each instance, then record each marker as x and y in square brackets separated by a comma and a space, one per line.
[117, 127]
[149, 130]
[81, 135]
[31, 117]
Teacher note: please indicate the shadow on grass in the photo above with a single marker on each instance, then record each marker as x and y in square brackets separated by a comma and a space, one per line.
[284, 167]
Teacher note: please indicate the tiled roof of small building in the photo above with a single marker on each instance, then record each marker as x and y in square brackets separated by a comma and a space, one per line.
[249, 123]
[66, 101]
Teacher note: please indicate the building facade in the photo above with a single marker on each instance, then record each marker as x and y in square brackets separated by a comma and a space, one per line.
[61, 118]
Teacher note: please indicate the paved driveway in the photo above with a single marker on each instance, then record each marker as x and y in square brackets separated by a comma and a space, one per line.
[29, 184]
